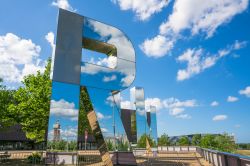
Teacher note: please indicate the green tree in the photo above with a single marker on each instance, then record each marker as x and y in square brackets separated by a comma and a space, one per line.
[31, 104]
[110, 145]
[183, 141]
[225, 143]
[208, 141]
[222, 142]
[196, 140]
[164, 140]
[6, 98]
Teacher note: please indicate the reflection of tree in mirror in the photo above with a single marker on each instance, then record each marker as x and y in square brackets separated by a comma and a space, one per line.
[142, 141]
[62, 145]
[85, 104]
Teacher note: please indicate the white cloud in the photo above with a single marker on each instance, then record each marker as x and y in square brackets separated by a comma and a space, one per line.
[219, 117]
[104, 130]
[143, 9]
[50, 37]
[214, 103]
[199, 16]
[18, 58]
[232, 99]
[157, 46]
[153, 102]
[108, 79]
[174, 102]
[198, 60]
[245, 91]
[69, 133]
[64, 4]
[100, 116]
[176, 111]
[126, 104]
[196, 16]
[64, 109]
[183, 116]
[174, 106]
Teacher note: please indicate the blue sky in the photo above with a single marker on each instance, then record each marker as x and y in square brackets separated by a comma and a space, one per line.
[189, 54]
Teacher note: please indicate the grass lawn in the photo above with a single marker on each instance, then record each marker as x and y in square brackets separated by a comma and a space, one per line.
[243, 152]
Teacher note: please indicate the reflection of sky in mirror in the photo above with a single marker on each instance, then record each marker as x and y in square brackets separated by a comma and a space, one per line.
[114, 79]
[64, 108]
[108, 34]
[104, 108]
[95, 68]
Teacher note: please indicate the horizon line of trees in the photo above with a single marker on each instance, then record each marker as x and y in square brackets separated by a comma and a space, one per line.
[221, 142]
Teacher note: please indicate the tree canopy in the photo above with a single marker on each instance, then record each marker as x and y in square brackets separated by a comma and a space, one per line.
[183, 141]
[196, 140]
[164, 140]
[6, 98]
[31, 104]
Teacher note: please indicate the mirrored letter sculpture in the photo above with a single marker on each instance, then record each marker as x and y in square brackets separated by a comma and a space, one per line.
[93, 62]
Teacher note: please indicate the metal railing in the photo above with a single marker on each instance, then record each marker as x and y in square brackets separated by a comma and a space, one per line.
[218, 158]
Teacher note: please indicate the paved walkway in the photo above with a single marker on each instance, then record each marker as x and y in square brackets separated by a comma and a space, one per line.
[173, 159]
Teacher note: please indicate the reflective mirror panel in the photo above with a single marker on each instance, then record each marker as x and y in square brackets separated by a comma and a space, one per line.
[108, 34]
[138, 104]
[101, 60]
[63, 122]
[153, 125]
[109, 119]
[113, 79]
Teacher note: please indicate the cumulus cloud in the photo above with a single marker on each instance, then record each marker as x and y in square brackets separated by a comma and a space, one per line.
[198, 16]
[143, 9]
[194, 16]
[219, 117]
[63, 108]
[176, 111]
[18, 58]
[232, 99]
[108, 79]
[156, 102]
[157, 46]
[64, 4]
[183, 116]
[198, 60]
[245, 91]
[214, 104]
[126, 104]
[174, 106]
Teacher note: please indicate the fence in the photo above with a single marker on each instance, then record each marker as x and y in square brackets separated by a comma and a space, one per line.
[218, 158]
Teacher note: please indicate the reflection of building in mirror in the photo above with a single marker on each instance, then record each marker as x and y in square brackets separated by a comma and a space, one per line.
[57, 128]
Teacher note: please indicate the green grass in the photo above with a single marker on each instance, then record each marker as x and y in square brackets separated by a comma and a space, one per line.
[243, 152]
